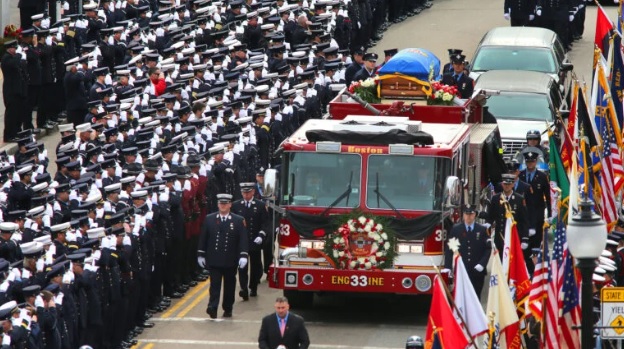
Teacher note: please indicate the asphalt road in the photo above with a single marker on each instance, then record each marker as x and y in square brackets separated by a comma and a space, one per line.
[341, 321]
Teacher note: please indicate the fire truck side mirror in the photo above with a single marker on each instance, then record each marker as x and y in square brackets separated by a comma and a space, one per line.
[452, 192]
[270, 183]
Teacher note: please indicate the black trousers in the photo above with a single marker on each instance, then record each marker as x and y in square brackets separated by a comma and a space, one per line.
[76, 117]
[227, 276]
[267, 249]
[25, 13]
[249, 277]
[14, 115]
[519, 21]
[47, 105]
[169, 279]
[33, 101]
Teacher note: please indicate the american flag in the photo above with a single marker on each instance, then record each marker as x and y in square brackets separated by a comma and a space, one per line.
[551, 317]
[611, 173]
[539, 285]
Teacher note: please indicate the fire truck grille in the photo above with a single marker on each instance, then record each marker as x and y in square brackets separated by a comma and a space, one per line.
[511, 147]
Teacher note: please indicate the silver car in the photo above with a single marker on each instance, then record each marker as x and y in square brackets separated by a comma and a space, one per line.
[522, 48]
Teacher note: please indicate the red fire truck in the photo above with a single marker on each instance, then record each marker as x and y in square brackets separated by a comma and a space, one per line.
[414, 166]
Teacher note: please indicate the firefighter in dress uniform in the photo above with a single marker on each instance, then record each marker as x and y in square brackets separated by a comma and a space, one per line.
[537, 200]
[369, 69]
[475, 247]
[255, 214]
[223, 247]
[459, 78]
[496, 213]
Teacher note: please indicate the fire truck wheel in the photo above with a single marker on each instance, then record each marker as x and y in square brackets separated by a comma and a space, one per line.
[299, 299]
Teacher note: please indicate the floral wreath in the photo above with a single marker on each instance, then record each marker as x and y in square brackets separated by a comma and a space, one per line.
[362, 243]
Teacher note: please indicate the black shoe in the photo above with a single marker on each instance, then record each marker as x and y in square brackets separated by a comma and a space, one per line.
[166, 299]
[193, 283]
[36, 130]
[227, 314]
[253, 293]
[147, 324]
[244, 295]
[138, 330]
[177, 295]
[428, 4]
[201, 278]
[212, 313]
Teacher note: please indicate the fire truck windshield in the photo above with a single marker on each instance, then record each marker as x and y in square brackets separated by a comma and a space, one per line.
[408, 182]
[317, 179]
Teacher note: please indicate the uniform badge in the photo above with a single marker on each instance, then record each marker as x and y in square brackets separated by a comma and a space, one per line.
[231, 226]
[478, 235]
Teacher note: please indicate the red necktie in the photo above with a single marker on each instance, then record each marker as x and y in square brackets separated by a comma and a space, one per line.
[282, 326]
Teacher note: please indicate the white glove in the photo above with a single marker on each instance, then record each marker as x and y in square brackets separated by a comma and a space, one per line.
[187, 185]
[506, 15]
[242, 263]
[531, 232]
[202, 171]
[177, 186]
[39, 302]
[258, 240]
[164, 197]
[127, 241]
[531, 17]
[201, 261]
[486, 225]
[571, 18]
[105, 243]
[4, 286]
[40, 265]
[59, 299]
[524, 245]
[6, 340]
[154, 199]
[538, 12]
[229, 170]
[66, 279]
[148, 217]
[26, 274]
[48, 41]
[478, 268]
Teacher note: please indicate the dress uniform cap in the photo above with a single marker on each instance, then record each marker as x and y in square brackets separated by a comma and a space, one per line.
[8, 227]
[25, 170]
[458, 58]
[77, 257]
[62, 188]
[36, 212]
[31, 249]
[370, 56]
[508, 178]
[95, 233]
[611, 242]
[37, 17]
[599, 270]
[247, 186]
[73, 166]
[530, 156]
[139, 194]
[300, 86]
[86, 127]
[391, 52]
[44, 239]
[60, 227]
[66, 128]
[55, 271]
[224, 198]
[217, 149]
[468, 208]
[7, 309]
[597, 278]
[606, 253]
[605, 260]
[263, 102]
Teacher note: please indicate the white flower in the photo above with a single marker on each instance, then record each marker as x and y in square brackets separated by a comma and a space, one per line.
[367, 228]
[351, 227]
[362, 220]
[335, 254]
[375, 247]
[447, 97]
[378, 227]
[341, 254]
[387, 246]
[373, 259]
[350, 222]
[379, 254]
[384, 236]
[353, 264]
[361, 259]
[360, 230]
[337, 240]
[368, 265]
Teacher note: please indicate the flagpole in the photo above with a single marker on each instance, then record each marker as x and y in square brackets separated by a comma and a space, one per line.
[544, 308]
[452, 302]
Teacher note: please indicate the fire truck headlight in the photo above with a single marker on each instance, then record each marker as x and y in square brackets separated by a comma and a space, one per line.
[423, 283]
[403, 248]
[401, 149]
[306, 244]
[318, 245]
[308, 279]
[407, 283]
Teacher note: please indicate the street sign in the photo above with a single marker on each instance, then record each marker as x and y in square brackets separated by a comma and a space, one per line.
[612, 312]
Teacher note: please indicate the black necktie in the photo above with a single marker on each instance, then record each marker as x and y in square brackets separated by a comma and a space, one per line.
[469, 230]
[455, 77]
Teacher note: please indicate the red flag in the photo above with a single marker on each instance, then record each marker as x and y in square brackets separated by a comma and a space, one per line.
[604, 27]
[442, 322]
[513, 262]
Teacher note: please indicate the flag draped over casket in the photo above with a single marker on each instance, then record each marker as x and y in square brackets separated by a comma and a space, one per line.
[409, 71]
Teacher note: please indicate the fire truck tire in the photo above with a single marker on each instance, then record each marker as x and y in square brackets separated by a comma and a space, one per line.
[299, 299]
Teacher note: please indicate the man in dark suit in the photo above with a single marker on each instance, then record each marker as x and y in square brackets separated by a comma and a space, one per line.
[369, 69]
[520, 186]
[496, 213]
[519, 12]
[355, 66]
[448, 67]
[459, 78]
[475, 247]
[256, 217]
[14, 90]
[222, 248]
[283, 329]
[537, 200]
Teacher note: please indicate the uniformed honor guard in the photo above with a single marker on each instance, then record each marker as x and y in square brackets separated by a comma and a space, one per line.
[256, 217]
[369, 69]
[223, 246]
[459, 78]
[475, 246]
[497, 209]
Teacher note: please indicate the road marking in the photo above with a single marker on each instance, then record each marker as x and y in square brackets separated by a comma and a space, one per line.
[193, 303]
[251, 344]
[184, 299]
[240, 321]
[149, 346]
